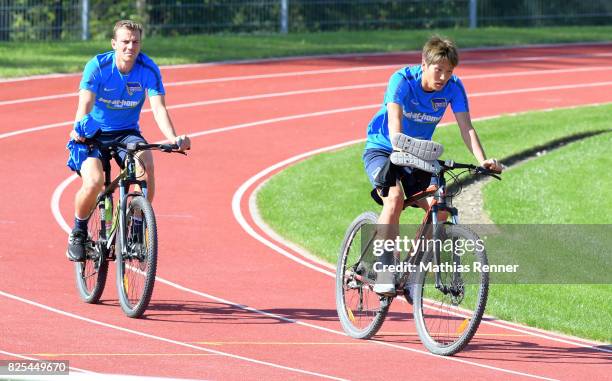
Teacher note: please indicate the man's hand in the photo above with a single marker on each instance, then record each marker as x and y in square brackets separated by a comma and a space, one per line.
[76, 137]
[493, 165]
[183, 142]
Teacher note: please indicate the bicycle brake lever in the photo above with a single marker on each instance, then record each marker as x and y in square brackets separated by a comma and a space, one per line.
[487, 172]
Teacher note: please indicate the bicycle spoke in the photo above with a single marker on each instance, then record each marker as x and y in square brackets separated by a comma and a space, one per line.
[360, 309]
[448, 316]
[91, 274]
[137, 265]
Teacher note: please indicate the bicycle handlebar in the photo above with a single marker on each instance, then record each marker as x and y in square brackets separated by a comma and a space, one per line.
[139, 146]
[450, 164]
[135, 147]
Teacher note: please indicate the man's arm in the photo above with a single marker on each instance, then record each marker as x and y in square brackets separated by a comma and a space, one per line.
[86, 102]
[472, 142]
[162, 118]
[395, 113]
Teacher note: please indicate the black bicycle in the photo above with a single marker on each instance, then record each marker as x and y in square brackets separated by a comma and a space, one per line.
[448, 302]
[125, 233]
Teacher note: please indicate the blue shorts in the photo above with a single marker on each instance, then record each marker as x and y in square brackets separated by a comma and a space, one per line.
[107, 139]
[413, 180]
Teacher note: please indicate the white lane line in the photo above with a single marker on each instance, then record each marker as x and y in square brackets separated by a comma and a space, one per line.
[55, 202]
[237, 211]
[377, 67]
[274, 95]
[310, 91]
[36, 129]
[536, 89]
[259, 222]
[38, 99]
[163, 339]
[268, 314]
[340, 70]
[36, 359]
[535, 72]
[211, 80]
[336, 332]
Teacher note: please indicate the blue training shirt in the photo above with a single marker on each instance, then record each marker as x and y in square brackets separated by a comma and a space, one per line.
[119, 97]
[422, 110]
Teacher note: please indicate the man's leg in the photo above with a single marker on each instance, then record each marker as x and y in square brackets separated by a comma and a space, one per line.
[388, 222]
[92, 176]
[145, 158]
[149, 174]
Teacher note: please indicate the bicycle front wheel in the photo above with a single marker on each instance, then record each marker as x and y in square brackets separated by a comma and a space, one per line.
[361, 311]
[447, 315]
[137, 257]
[91, 274]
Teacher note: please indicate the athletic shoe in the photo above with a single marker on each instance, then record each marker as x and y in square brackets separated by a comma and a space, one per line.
[385, 284]
[423, 149]
[406, 159]
[386, 289]
[76, 245]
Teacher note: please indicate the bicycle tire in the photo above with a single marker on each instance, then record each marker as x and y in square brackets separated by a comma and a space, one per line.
[350, 318]
[464, 315]
[138, 265]
[91, 274]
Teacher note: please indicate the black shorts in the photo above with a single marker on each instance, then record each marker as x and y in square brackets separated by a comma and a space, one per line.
[107, 139]
[384, 174]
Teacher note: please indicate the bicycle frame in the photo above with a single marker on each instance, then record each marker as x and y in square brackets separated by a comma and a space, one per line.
[362, 314]
[437, 205]
[124, 180]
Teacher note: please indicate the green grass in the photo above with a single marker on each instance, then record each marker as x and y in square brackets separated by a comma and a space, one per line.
[573, 181]
[564, 186]
[577, 310]
[578, 174]
[19, 59]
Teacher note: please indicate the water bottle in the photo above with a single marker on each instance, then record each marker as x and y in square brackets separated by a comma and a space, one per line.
[108, 215]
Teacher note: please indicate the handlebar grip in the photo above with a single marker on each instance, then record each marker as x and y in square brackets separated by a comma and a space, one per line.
[488, 172]
[170, 146]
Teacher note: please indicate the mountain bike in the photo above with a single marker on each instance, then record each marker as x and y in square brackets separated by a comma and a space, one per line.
[448, 303]
[115, 234]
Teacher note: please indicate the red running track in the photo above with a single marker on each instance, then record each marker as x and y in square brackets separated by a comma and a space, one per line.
[228, 305]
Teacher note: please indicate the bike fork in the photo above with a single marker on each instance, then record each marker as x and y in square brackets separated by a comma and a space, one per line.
[436, 250]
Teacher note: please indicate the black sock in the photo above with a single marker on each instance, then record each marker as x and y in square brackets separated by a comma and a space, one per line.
[80, 224]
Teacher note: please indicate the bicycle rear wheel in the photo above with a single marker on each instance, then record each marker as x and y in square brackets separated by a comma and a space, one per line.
[91, 274]
[137, 258]
[361, 311]
[447, 318]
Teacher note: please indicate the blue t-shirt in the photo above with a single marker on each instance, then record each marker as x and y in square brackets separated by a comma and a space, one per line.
[119, 97]
[422, 110]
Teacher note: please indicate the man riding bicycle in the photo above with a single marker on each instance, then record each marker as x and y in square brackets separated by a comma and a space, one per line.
[415, 101]
[111, 96]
